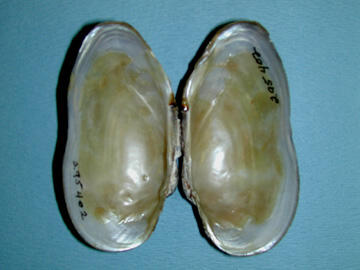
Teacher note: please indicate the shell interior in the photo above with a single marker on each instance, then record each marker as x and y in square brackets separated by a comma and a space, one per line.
[239, 164]
[240, 167]
[123, 141]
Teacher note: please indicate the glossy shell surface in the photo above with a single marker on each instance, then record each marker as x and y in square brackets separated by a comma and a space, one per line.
[239, 166]
[120, 158]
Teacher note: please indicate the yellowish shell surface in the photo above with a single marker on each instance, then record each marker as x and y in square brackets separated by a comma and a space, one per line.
[240, 166]
[120, 160]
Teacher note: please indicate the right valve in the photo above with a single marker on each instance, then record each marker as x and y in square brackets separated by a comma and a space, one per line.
[239, 163]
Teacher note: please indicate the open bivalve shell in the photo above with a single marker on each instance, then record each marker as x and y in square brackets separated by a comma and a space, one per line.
[239, 164]
[123, 139]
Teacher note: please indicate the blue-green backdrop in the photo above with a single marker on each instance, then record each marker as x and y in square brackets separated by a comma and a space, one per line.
[318, 42]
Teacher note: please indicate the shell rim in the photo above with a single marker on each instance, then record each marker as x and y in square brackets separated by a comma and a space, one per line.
[88, 239]
[189, 189]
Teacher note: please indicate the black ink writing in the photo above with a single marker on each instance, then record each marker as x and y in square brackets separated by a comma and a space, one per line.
[78, 182]
[79, 195]
[83, 214]
[275, 99]
[268, 83]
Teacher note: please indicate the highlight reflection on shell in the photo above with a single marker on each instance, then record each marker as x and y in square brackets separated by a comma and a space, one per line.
[120, 159]
[239, 164]
[240, 167]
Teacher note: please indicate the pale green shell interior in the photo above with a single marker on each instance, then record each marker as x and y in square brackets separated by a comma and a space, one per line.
[239, 162]
[122, 140]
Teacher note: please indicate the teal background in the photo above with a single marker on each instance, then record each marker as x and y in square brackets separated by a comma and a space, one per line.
[318, 42]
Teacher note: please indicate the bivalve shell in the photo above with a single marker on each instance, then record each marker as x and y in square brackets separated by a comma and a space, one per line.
[240, 166]
[123, 139]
